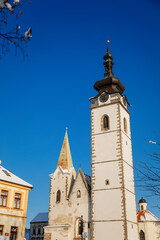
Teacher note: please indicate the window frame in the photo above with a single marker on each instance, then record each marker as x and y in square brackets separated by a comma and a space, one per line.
[13, 232]
[105, 125]
[1, 230]
[58, 196]
[17, 200]
[3, 198]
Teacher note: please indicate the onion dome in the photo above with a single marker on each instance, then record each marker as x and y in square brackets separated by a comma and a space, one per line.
[109, 83]
[142, 200]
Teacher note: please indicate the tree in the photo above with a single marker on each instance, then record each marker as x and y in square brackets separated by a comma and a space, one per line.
[148, 172]
[10, 29]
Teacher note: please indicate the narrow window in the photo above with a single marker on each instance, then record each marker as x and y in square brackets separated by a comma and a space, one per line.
[142, 207]
[78, 194]
[58, 197]
[107, 182]
[1, 230]
[104, 123]
[3, 198]
[125, 125]
[142, 235]
[17, 200]
[13, 233]
[39, 231]
[34, 231]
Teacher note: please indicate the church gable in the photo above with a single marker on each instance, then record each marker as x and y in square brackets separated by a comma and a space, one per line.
[80, 190]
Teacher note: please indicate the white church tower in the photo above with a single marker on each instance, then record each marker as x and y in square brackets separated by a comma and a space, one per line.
[113, 205]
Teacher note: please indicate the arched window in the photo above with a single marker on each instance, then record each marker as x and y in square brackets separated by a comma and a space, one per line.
[142, 207]
[78, 227]
[104, 123]
[142, 235]
[78, 194]
[58, 197]
[125, 125]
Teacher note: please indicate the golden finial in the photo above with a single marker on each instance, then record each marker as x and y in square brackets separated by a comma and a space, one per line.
[66, 128]
[108, 40]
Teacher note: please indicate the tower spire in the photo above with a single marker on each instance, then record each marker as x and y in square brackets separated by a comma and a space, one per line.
[65, 159]
[109, 83]
[108, 64]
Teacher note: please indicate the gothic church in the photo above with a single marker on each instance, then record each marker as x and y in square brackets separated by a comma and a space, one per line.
[108, 203]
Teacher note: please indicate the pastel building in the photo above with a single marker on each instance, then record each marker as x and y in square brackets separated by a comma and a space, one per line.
[148, 224]
[13, 205]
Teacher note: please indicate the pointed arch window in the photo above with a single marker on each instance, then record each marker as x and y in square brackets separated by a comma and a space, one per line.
[105, 122]
[142, 235]
[58, 196]
[125, 124]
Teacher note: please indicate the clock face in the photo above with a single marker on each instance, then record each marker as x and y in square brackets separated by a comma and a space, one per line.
[104, 97]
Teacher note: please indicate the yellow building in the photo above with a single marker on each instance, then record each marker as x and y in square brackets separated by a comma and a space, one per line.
[13, 205]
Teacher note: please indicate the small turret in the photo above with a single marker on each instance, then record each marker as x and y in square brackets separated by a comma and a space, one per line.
[142, 204]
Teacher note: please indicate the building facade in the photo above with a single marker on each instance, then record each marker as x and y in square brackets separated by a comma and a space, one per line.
[148, 224]
[69, 205]
[13, 205]
[37, 226]
[113, 204]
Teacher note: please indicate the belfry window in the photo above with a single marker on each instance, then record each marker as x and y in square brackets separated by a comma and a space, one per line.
[104, 123]
[142, 235]
[58, 196]
[125, 125]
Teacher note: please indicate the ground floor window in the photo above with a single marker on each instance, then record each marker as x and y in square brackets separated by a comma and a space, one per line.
[13, 233]
[142, 235]
[1, 230]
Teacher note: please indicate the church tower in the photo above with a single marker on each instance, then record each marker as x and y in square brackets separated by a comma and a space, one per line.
[113, 205]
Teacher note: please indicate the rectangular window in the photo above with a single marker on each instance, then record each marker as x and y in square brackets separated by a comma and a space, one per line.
[13, 233]
[1, 230]
[17, 200]
[3, 198]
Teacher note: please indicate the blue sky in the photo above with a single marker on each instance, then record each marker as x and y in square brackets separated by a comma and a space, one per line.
[48, 91]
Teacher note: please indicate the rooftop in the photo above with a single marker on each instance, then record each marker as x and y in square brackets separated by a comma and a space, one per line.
[40, 217]
[8, 176]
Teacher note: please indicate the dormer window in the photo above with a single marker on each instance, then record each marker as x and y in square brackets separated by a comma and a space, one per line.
[58, 196]
[104, 122]
[78, 194]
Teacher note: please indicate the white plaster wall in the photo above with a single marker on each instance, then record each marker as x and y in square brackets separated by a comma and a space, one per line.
[127, 149]
[108, 205]
[128, 177]
[109, 231]
[105, 146]
[110, 171]
[132, 231]
[130, 206]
